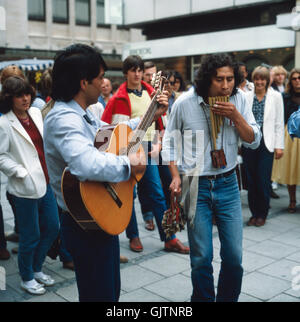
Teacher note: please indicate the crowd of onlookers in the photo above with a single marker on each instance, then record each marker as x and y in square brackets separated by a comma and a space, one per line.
[273, 93]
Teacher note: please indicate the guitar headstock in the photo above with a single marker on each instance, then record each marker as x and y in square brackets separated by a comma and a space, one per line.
[158, 81]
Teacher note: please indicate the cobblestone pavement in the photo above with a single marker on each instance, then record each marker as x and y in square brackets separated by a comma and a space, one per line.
[271, 261]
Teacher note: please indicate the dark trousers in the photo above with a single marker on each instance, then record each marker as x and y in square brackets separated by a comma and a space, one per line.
[10, 200]
[258, 167]
[96, 257]
[2, 236]
[132, 228]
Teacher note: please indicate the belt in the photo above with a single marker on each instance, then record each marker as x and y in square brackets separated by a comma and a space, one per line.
[218, 176]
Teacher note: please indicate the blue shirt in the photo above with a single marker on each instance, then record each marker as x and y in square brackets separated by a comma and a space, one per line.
[258, 110]
[294, 124]
[69, 142]
[187, 140]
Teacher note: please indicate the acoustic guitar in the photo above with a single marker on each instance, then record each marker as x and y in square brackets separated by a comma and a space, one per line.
[104, 205]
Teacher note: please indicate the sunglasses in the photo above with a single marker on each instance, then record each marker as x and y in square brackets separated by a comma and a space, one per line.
[171, 83]
[295, 78]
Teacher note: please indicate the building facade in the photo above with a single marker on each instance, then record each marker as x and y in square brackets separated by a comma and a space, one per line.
[179, 32]
[38, 28]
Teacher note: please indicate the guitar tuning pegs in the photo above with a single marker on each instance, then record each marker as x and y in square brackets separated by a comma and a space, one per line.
[153, 79]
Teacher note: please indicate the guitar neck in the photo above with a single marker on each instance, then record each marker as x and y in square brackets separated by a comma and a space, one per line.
[143, 126]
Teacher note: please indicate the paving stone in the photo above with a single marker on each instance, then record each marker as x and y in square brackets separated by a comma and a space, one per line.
[294, 257]
[134, 277]
[247, 298]
[258, 234]
[262, 286]
[150, 245]
[291, 238]
[252, 262]
[279, 224]
[57, 268]
[11, 265]
[69, 293]
[248, 243]
[176, 288]
[293, 292]
[273, 249]
[293, 218]
[166, 265]
[281, 269]
[14, 281]
[10, 295]
[284, 298]
[47, 297]
[141, 295]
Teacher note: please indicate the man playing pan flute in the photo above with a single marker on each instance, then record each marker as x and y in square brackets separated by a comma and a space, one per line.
[210, 187]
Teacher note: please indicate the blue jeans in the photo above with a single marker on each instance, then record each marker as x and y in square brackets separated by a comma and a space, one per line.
[220, 197]
[2, 236]
[38, 225]
[258, 165]
[96, 257]
[150, 187]
[166, 178]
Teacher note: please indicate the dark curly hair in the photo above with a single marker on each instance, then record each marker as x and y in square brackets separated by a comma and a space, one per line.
[208, 69]
[14, 86]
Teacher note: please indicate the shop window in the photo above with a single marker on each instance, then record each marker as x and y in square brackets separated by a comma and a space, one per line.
[83, 12]
[100, 12]
[60, 10]
[36, 10]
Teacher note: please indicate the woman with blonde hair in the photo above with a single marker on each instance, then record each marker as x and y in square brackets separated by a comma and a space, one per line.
[287, 170]
[267, 108]
[280, 75]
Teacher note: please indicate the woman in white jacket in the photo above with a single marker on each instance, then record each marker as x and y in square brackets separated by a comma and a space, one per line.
[267, 107]
[22, 160]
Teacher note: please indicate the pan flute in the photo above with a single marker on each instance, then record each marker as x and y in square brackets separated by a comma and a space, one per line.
[216, 120]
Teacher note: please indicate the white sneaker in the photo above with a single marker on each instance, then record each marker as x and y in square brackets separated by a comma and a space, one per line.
[274, 185]
[44, 279]
[33, 287]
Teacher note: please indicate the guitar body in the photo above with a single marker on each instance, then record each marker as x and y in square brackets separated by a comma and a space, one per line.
[102, 205]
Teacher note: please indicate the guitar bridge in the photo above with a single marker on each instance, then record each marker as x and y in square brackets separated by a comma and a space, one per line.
[113, 193]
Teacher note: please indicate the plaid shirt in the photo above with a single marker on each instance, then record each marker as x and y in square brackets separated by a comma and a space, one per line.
[258, 110]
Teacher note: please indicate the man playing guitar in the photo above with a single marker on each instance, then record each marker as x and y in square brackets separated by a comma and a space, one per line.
[69, 132]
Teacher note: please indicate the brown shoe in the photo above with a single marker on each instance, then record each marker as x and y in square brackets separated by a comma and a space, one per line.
[69, 265]
[4, 254]
[149, 224]
[260, 222]
[15, 250]
[123, 259]
[251, 221]
[292, 207]
[136, 245]
[12, 237]
[176, 246]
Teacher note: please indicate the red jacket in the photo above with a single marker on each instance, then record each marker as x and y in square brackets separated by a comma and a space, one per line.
[118, 108]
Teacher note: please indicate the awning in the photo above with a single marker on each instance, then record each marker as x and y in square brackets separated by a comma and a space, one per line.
[28, 64]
